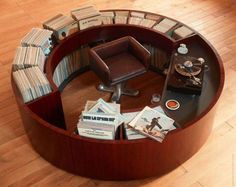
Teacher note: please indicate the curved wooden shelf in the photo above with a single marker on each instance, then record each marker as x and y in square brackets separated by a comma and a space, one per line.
[122, 159]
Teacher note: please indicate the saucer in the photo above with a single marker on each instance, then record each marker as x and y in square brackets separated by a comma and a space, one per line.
[172, 104]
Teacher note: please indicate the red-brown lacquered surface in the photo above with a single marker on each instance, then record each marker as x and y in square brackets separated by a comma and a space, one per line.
[119, 159]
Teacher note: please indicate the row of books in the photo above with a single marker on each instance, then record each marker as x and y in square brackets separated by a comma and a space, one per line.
[28, 64]
[32, 83]
[39, 38]
[100, 120]
[81, 18]
[61, 25]
[26, 57]
[71, 63]
[87, 16]
[159, 58]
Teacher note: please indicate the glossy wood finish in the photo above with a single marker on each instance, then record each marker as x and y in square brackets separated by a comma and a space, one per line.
[109, 159]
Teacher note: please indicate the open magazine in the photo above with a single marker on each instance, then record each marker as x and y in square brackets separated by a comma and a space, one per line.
[152, 123]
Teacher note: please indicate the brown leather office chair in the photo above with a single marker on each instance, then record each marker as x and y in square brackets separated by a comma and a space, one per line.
[116, 62]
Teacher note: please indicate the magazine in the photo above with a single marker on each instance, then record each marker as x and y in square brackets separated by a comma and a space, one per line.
[152, 123]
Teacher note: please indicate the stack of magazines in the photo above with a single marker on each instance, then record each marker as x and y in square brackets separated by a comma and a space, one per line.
[121, 17]
[151, 123]
[165, 25]
[39, 38]
[100, 120]
[61, 25]
[182, 32]
[86, 16]
[32, 83]
[26, 57]
[107, 17]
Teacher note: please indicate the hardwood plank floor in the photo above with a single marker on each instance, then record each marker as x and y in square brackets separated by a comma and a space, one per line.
[214, 165]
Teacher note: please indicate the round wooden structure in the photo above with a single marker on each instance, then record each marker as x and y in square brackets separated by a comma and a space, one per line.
[123, 159]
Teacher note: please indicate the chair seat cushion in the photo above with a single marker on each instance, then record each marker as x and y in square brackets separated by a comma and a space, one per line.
[124, 66]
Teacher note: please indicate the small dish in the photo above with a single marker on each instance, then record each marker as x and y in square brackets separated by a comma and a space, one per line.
[172, 104]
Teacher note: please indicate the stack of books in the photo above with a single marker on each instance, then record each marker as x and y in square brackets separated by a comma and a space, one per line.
[135, 20]
[107, 17]
[100, 120]
[86, 16]
[39, 38]
[121, 17]
[61, 25]
[182, 32]
[165, 25]
[151, 123]
[137, 14]
[159, 58]
[26, 57]
[129, 132]
[153, 17]
[32, 83]
[138, 18]
[147, 23]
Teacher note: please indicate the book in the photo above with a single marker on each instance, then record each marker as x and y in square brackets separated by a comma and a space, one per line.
[107, 17]
[152, 123]
[100, 117]
[182, 32]
[120, 20]
[135, 20]
[153, 17]
[96, 130]
[124, 13]
[30, 56]
[137, 14]
[131, 134]
[31, 83]
[61, 25]
[147, 23]
[159, 58]
[86, 16]
[165, 25]
[70, 64]
[39, 38]
[100, 106]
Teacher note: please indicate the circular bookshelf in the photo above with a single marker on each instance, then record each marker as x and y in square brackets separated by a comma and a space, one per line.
[123, 159]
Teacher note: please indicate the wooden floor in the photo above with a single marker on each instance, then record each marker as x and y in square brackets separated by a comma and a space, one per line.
[214, 165]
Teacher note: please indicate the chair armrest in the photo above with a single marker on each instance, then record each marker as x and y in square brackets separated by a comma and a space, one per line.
[140, 52]
[99, 67]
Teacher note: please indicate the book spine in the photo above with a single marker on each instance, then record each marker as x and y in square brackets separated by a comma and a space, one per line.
[94, 133]
[89, 22]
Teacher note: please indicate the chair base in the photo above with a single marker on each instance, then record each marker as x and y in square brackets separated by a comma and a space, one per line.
[118, 91]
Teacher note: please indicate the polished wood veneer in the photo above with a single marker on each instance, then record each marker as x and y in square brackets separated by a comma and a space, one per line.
[122, 159]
